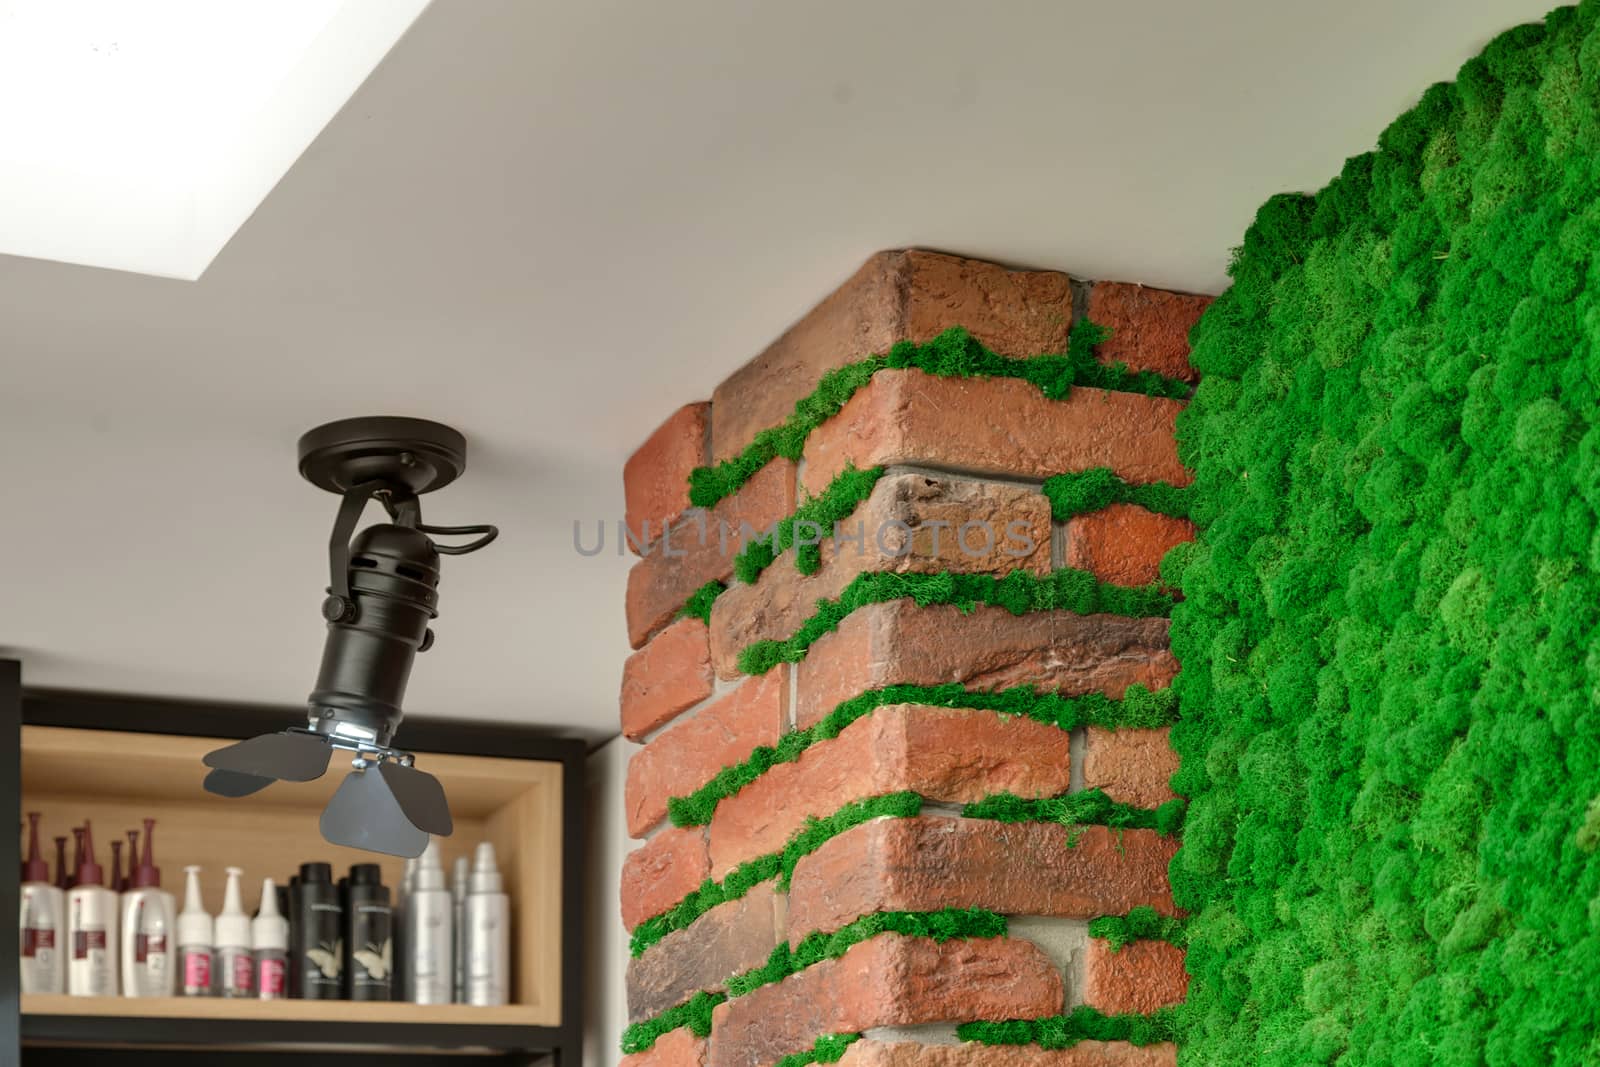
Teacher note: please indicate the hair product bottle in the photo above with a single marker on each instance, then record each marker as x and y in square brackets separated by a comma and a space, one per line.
[488, 932]
[369, 960]
[316, 945]
[194, 938]
[429, 915]
[269, 936]
[44, 918]
[119, 881]
[62, 881]
[458, 904]
[149, 924]
[91, 928]
[236, 967]
[133, 858]
[401, 988]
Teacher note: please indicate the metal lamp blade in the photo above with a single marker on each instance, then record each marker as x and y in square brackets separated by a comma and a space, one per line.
[364, 814]
[234, 784]
[420, 796]
[293, 756]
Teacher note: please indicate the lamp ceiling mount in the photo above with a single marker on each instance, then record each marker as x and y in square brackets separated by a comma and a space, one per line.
[410, 454]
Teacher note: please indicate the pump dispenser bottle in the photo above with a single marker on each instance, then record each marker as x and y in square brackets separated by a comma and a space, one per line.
[194, 938]
[44, 918]
[91, 928]
[149, 928]
[429, 937]
[269, 935]
[488, 931]
[235, 966]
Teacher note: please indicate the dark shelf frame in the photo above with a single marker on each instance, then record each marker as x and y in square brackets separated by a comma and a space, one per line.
[72, 1040]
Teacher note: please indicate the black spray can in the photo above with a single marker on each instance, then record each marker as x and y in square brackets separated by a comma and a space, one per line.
[369, 960]
[316, 941]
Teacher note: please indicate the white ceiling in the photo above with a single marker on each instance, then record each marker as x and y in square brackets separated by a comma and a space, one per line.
[549, 224]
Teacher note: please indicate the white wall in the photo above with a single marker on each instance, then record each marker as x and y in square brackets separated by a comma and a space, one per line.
[606, 944]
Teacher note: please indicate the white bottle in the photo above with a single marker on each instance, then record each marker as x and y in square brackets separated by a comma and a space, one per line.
[91, 929]
[401, 989]
[429, 937]
[44, 922]
[149, 922]
[236, 967]
[488, 932]
[269, 936]
[458, 905]
[194, 938]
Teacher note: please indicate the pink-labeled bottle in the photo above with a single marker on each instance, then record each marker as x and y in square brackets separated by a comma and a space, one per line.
[236, 967]
[269, 935]
[194, 939]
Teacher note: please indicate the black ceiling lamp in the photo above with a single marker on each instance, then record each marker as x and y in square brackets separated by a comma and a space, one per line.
[382, 593]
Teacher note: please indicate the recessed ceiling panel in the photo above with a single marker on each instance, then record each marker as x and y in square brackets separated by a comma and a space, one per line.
[140, 136]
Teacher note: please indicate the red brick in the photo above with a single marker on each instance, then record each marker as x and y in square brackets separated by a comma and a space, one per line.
[946, 754]
[775, 605]
[899, 643]
[689, 754]
[895, 296]
[888, 981]
[996, 426]
[731, 938]
[702, 549]
[671, 673]
[1123, 543]
[1149, 327]
[655, 480]
[971, 1054]
[662, 872]
[675, 1048]
[1143, 976]
[1132, 766]
[931, 862]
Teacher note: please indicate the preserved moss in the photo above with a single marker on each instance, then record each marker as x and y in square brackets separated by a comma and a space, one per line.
[1390, 695]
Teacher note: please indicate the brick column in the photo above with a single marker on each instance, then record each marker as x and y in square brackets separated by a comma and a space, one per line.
[930, 803]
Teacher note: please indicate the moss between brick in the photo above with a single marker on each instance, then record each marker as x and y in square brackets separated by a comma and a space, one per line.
[1139, 708]
[1091, 807]
[1139, 924]
[698, 606]
[953, 354]
[1078, 809]
[1084, 491]
[1081, 1024]
[1019, 592]
[815, 517]
[779, 865]
[939, 926]
[829, 1049]
[695, 1013]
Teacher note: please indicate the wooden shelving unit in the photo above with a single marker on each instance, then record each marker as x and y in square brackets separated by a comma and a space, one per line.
[118, 760]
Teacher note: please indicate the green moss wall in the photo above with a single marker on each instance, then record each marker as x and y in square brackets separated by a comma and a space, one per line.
[1391, 664]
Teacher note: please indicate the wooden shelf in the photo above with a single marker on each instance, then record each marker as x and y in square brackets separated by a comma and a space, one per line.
[282, 1011]
[520, 795]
